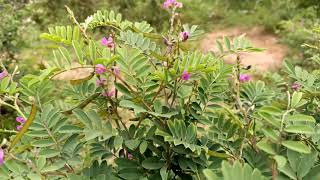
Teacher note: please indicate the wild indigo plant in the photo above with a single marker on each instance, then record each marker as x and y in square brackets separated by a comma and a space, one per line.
[140, 105]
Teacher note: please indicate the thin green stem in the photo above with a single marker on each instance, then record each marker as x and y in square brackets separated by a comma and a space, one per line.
[287, 112]
[15, 106]
[52, 137]
[115, 111]
[284, 117]
[83, 104]
[192, 92]
[83, 31]
[8, 131]
[173, 14]
[237, 88]
[158, 92]
[7, 104]
[174, 93]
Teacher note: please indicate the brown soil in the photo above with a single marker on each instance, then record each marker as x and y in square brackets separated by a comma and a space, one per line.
[270, 59]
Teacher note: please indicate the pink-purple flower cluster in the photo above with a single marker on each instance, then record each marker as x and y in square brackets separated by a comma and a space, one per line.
[185, 76]
[100, 69]
[1, 156]
[244, 78]
[20, 120]
[109, 43]
[130, 156]
[116, 70]
[101, 81]
[295, 86]
[3, 74]
[172, 3]
[184, 36]
[110, 93]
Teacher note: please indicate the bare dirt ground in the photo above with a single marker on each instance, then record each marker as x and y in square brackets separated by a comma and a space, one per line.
[270, 59]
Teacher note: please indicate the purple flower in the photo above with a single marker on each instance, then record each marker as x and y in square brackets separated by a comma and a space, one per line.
[100, 82]
[20, 119]
[130, 156]
[19, 127]
[244, 78]
[3, 74]
[110, 93]
[100, 69]
[109, 43]
[168, 3]
[178, 4]
[1, 157]
[185, 76]
[172, 3]
[295, 86]
[116, 70]
[184, 35]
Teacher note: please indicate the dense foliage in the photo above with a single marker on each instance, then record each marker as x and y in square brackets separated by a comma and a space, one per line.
[120, 101]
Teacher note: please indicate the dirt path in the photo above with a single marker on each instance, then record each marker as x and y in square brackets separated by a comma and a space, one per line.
[270, 59]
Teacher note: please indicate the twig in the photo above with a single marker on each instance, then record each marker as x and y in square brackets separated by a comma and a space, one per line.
[8, 131]
[82, 104]
[15, 106]
[158, 92]
[76, 22]
[237, 84]
[174, 93]
[115, 111]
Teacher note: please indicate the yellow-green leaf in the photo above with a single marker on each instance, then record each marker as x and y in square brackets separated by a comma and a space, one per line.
[297, 146]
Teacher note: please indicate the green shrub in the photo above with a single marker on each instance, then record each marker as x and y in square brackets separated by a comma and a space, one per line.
[141, 105]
